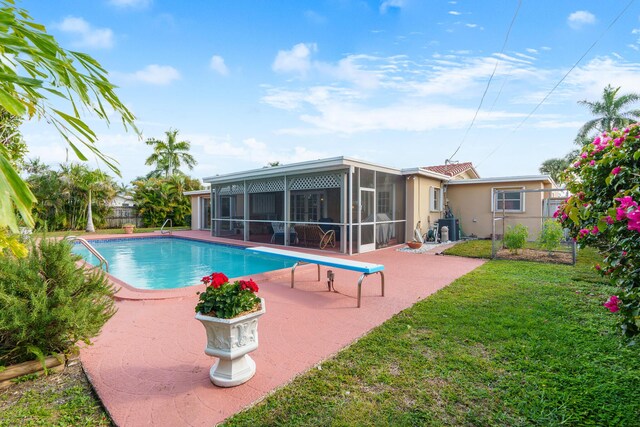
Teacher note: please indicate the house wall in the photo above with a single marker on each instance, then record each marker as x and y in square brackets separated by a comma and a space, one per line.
[471, 204]
[418, 203]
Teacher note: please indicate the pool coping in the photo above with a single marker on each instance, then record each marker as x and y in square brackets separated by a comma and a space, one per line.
[125, 291]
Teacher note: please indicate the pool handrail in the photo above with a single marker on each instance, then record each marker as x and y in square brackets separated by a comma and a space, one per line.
[91, 249]
[170, 221]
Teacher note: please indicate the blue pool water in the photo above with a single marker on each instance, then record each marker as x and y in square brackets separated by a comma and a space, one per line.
[169, 262]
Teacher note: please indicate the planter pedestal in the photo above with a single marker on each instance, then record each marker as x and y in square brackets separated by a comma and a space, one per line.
[230, 340]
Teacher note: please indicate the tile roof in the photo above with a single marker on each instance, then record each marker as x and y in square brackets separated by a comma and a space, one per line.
[452, 169]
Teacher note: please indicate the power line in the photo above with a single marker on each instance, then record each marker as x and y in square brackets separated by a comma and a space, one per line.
[504, 44]
[611, 24]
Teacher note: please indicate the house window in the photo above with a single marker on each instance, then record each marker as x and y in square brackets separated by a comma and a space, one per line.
[512, 201]
[435, 199]
[384, 202]
[308, 206]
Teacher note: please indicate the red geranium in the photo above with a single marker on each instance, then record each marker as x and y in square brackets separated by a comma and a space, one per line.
[249, 284]
[224, 299]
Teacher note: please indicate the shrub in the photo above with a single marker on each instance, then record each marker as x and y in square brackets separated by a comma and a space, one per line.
[603, 213]
[550, 235]
[48, 302]
[515, 237]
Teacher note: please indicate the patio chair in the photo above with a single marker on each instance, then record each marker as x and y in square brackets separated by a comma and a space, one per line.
[278, 234]
[314, 235]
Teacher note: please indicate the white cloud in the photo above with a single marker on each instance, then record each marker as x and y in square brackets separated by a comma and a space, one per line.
[155, 74]
[454, 13]
[217, 64]
[386, 5]
[296, 60]
[99, 38]
[130, 3]
[471, 25]
[580, 18]
[345, 118]
[252, 150]
[531, 50]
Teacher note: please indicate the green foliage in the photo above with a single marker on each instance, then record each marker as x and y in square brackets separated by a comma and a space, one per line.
[609, 114]
[510, 344]
[11, 138]
[48, 302]
[550, 235]
[516, 237]
[603, 213]
[63, 196]
[160, 198]
[224, 299]
[34, 69]
[169, 155]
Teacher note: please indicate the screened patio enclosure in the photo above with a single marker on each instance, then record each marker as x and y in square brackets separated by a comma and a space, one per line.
[319, 204]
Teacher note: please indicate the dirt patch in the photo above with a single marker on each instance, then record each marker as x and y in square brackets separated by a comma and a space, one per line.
[536, 255]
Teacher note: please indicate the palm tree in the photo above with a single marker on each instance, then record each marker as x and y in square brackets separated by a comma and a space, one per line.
[170, 154]
[608, 113]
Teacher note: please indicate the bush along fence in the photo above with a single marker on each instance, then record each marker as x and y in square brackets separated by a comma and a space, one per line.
[122, 215]
[530, 234]
[603, 212]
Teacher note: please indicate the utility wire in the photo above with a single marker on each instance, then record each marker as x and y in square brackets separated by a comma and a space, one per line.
[504, 44]
[611, 24]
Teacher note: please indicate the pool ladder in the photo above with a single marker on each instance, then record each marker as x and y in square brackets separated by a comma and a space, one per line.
[91, 249]
[162, 230]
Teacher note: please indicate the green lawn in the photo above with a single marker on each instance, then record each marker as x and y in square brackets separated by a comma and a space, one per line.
[512, 343]
[471, 249]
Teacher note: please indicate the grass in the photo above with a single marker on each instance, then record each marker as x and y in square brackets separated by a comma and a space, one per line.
[104, 231]
[57, 400]
[471, 249]
[512, 344]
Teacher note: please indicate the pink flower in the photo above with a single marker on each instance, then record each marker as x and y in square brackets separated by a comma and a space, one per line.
[584, 155]
[595, 230]
[576, 165]
[620, 214]
[598, 267]
[615, 171]
[612, 304]
[596, 141]
[583, 232]
[618, 141]
[592, 162]
[564, 216]
[627, 202]
[609, 220]
[634, 220]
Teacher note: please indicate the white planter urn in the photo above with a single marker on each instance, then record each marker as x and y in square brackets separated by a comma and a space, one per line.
[230, 340]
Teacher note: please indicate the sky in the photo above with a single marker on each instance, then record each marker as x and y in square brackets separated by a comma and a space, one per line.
[393, 82]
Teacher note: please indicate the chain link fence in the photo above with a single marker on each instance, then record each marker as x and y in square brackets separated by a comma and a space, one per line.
[523, 227]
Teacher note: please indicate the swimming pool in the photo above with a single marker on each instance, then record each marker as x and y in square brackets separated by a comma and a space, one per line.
[171, 262]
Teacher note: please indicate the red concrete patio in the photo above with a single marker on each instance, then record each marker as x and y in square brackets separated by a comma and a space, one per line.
[148, 364]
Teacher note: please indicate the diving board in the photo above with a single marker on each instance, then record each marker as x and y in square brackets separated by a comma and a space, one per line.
[366, 268]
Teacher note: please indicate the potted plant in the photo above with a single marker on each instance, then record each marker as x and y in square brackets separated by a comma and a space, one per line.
[414, 244]
[229, 313]
[128, 228]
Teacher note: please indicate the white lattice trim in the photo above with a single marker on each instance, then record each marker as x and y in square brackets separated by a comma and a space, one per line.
[266, 186]
[316, 182]
[232, 189]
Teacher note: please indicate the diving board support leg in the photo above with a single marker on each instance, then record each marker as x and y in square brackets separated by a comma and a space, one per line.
[360, 284]
[293, 271]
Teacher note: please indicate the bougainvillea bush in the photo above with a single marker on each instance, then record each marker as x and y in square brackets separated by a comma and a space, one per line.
[603, 212]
